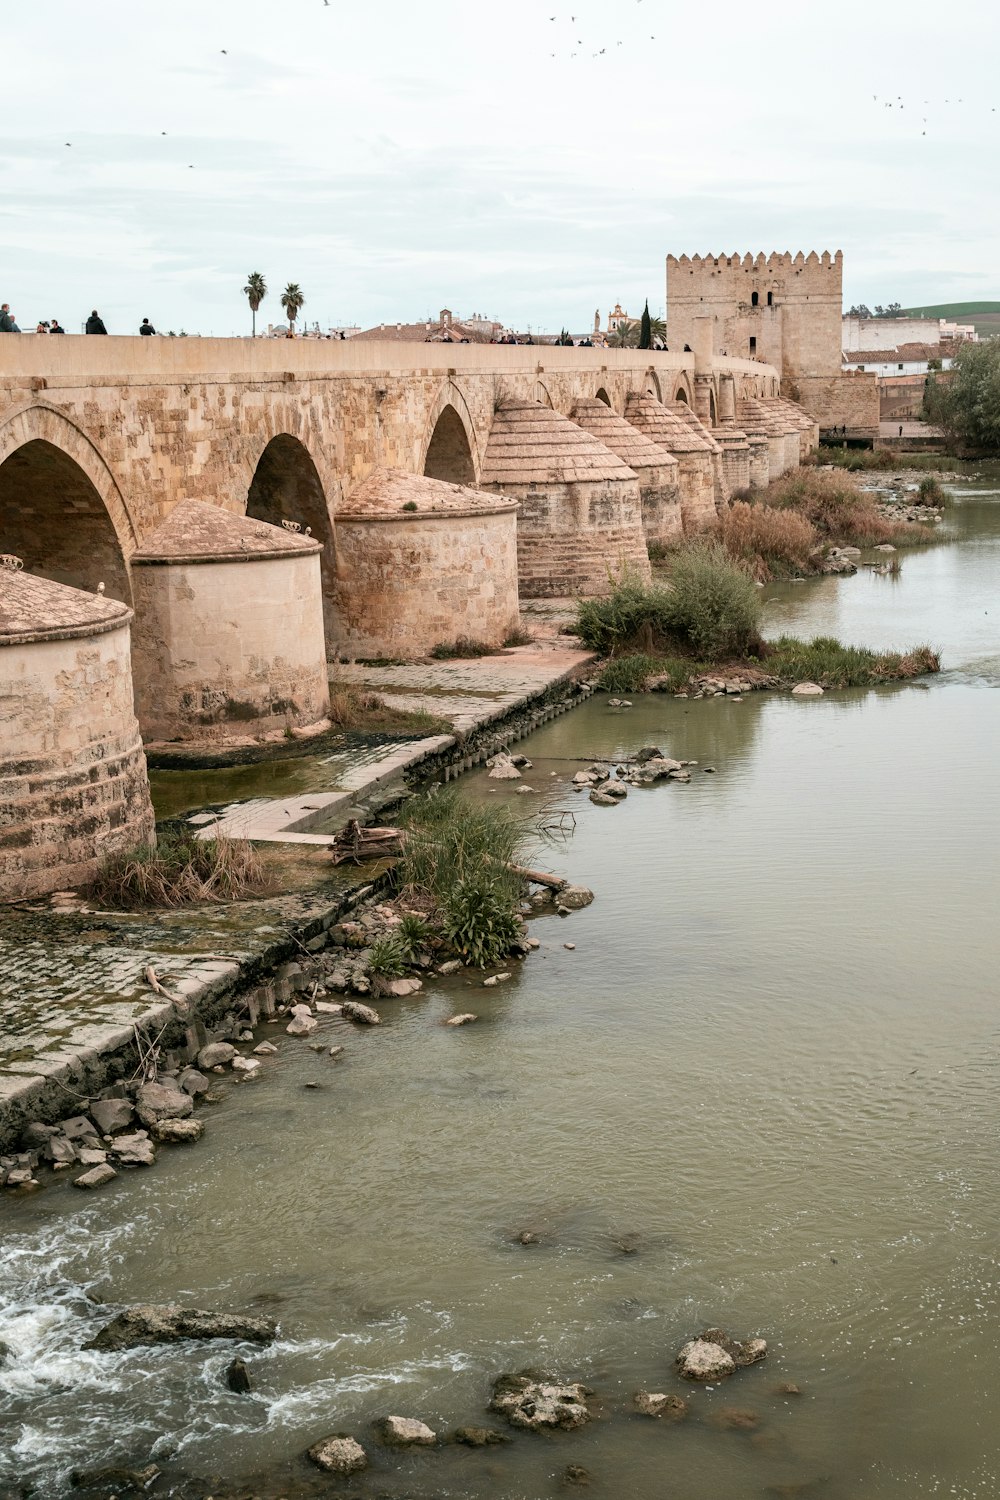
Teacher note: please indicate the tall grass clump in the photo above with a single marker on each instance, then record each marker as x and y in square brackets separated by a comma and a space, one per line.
[709, 606]
[833, 665]
[932, 492]
[464, 858]
[628, 674]
[178, 870]
[771, 542]
[837, 510]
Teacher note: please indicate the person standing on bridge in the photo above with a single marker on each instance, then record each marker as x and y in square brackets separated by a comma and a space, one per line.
[56, 327]
[146, 327]
[7, 323]
[95, 323]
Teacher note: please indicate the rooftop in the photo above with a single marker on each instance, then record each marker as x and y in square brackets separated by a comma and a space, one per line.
[531, 444]
[195, 532]
[37, 609]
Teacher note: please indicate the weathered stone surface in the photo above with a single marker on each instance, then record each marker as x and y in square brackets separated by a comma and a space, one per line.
[495, 979]
[339, 1455]
[364, 1015]
[158, 1101]
[111, 1115]
[400, 988]
[452, 966]
[169, 1324]
[216, 1055]
[265, 1049]
[193, 1082]
[406, 1432]
[502, 768]
[96, 1177]
[807, 690]
[601, 799]
[463, 1019]
[535, 1401]
[246, 1065]
[659, 1404]
[178, 1131]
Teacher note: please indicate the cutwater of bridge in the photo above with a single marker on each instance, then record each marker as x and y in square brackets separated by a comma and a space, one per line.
[100, 438]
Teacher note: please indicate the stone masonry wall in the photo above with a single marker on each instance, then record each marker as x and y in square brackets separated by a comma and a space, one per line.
[73, 783]
[228, 650]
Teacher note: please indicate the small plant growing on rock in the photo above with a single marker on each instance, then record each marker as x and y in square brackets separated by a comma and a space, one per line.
[387, 956]
[478, 921]
[409, 505]
[414, 935]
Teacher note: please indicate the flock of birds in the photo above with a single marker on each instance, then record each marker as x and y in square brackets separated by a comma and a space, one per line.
[898, 103]
[601, 51]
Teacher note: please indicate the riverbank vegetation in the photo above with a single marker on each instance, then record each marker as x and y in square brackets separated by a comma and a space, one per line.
[966, 401]
[179, 870]
[354, 710]
[879, 460]
[460, 869]
[705, 618]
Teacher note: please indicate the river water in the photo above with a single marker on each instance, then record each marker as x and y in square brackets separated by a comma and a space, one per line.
[769, 1068]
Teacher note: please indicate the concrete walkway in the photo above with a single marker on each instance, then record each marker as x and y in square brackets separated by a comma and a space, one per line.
[73, 983]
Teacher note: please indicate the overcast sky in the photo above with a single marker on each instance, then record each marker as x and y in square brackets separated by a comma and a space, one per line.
[398, 156]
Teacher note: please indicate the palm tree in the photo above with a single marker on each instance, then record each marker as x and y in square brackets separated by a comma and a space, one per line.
[625, 336]
[291, 300]
[658, 333]
[256, 291]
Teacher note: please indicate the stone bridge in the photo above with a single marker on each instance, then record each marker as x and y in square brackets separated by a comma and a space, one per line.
[101, 437]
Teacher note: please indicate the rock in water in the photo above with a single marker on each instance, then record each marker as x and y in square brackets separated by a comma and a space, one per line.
[534, 1401]
[179, 1132]
[657, 1404]
[147, 1324]
[574, 897]
[302, 1025]
[406, 1432]
[238, 1377]
[479, 1437]
[807, 690]
[134, 1150]
[215, 1055]
[362, 1014]
[502, 768]
[96, 1177]
[339, 1455]
[463, 1019]
[713, 1355]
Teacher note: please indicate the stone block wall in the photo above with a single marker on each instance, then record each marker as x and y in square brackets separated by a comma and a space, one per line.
[73, 785]
[407, 584]
[229, 651]
[842, 400]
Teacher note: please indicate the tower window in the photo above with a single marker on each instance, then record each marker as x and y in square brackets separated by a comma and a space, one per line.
[754, 299]
[770, 299]
[753, 346]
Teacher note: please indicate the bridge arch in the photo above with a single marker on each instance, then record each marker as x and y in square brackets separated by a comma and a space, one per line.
[286, 487]
[448, 453]
[682, 391]
[61, 509]
[601, 395]
[651, 385]
[542, 394]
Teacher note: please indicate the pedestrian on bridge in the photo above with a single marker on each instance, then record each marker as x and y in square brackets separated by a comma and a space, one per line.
[7, 323]
[56, 327]
[146, 327]
[95, 323]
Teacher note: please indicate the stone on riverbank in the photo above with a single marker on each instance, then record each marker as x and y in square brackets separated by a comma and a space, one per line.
[96, 1177]
[713, 1355]
[807, 690]
[134, 1150]
[178, 1132]
[160, 1101]
[338, 1455]
[247, 1065]
[406, 1432]
[400, 988]
[601, 799]
[502, 768]
[193, 1082]
[534, 1401]
[463, 1019]
[111, 1115]
[658, 1404]
[169, 1324]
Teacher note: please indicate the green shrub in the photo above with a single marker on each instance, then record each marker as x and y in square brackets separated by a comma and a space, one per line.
[932, 492]
[464, 646]
[633, 614]
[713, 604]
[627, 674]
[478, 920]
[414, 934]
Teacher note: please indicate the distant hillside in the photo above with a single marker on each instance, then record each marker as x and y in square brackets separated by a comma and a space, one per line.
[984, 316]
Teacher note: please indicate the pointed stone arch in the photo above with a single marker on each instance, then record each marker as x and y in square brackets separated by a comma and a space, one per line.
[449, 450]
[651, 385]
[286, 487]
[682, 391]
[542, 394]
[601, 395]
[61, 509]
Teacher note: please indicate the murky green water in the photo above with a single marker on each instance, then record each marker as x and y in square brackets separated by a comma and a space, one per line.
[772, 1057]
